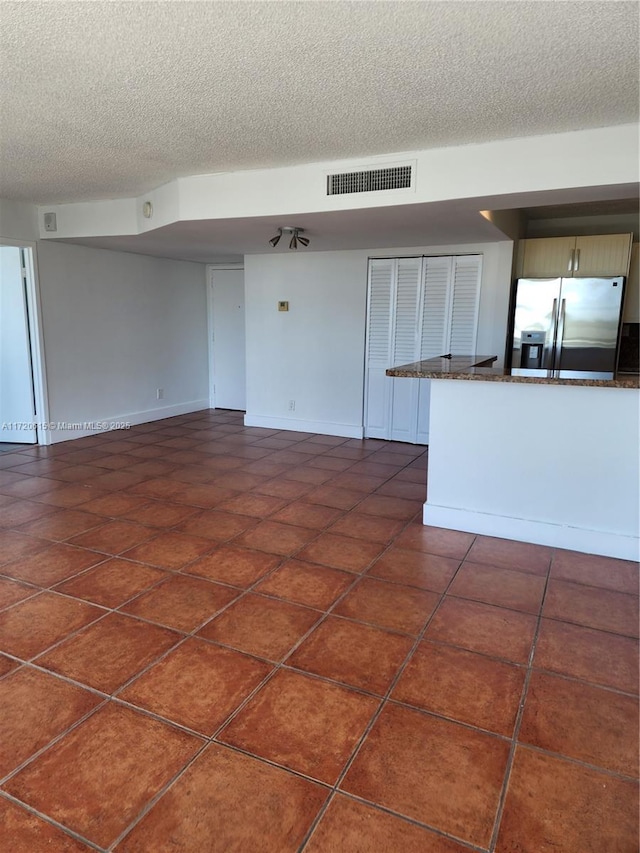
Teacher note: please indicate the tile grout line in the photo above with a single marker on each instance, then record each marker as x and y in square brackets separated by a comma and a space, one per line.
[519, 717]
[51, 821]
[376, 715]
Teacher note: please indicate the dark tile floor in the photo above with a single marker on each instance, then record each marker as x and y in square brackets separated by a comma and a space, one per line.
[218, 638]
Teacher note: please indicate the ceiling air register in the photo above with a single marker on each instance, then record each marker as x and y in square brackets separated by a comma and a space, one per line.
[391, 178]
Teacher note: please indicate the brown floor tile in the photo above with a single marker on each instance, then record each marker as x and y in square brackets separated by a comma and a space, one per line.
[435, 540]
[57, 563]
[236, 566]
[556, 805]
[62, 524]
[114, 537]
[349, 825]
[160, 514]
[109, 653]
[389, 507]
[502, 587]
[203, 496]
[76, 494]
[341, 552]
[30, 834]
[118, 759]
[30, 627]
[460, 791]
[607, 659]
[368, 527]
[304, 474]
[306, 514]
[401, 489]
[580, 721]
[415, 568]
[252, 504]
[13, 591]
[302, 723]
[197, 685]
[593, 570]
[228, 801]
[520, 556]
[334, 496]
[114, 505]
[305, 583]
[462, 685]
[170, 550]
[389, 605]
[357, 482]
[21, 512]
[14, 545]
[216, 525]
[111, 583]
[181, 602]
[7, 664]
[483, 628]
[592, 607]
[286, 489]
[357, 655]
[36, 708]
[276, 538]
[261, 626]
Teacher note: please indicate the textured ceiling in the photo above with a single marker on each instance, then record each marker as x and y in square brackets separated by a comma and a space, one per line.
[110, 99]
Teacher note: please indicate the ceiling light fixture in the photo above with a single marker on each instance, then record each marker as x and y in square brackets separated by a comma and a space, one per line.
[295, 236]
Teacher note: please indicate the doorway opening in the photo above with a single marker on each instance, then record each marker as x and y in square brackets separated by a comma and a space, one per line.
[227, 357]
[23, 403]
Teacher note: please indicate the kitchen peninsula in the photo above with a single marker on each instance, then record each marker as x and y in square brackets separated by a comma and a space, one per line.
[546, 457]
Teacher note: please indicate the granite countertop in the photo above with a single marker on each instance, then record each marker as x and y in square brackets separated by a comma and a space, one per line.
[432, 368]
[479, 368]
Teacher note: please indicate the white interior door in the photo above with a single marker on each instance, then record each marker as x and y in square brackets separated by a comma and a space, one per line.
[17, 408]
[228, 339]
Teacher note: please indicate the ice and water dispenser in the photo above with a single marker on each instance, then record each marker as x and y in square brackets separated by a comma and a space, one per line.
[532, 349]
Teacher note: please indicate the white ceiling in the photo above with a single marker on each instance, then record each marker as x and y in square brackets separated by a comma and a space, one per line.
[110, 99]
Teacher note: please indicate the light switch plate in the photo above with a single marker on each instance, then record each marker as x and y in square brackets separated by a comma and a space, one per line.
[283, 306]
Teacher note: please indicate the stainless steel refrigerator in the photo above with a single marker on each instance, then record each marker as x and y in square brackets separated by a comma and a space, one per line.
[566, 324]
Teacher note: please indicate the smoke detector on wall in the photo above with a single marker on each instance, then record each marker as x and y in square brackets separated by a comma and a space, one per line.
[147, 210]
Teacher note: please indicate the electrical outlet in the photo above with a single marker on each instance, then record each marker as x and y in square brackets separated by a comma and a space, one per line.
[292, 405]
[160, 393]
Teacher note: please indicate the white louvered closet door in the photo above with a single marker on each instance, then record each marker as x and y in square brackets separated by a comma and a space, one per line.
[381, 289]
[448, 318]
[418, 308]
[406, 347]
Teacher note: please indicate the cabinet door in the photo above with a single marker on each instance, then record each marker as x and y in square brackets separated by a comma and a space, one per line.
[547, 257]
[602, 255]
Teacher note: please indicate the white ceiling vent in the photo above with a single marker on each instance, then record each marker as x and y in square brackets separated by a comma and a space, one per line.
[371, 180]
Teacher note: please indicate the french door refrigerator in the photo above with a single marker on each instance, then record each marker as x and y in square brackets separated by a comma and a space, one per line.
[566, 324]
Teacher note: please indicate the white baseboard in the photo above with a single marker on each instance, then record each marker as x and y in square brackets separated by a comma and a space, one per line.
[66, 430]
[297, 425]
[587, 541]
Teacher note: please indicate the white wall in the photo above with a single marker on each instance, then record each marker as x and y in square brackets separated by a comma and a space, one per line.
[18, 221]
[314, 353]
[117, 327]
[552, 464]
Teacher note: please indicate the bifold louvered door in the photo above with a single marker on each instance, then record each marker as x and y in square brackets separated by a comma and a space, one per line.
[417, 308]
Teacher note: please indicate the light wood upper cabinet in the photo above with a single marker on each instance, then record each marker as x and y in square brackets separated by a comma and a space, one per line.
[562, 257]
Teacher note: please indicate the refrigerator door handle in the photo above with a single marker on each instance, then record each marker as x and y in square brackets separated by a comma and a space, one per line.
[548, 361]
[576, 264]
[559, 336]
[570, 265]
